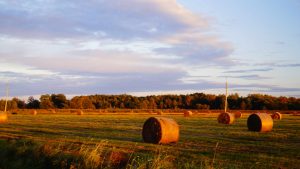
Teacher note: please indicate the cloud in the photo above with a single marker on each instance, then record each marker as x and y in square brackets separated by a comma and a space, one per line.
[128, 19]
[98, 83]
[249, 70]
[119, 83]
[105, 46]
[151, 20]
[268, 89]
[288, 65]
[276, 64]
[247, 77]
[199, 53]
[96, 61]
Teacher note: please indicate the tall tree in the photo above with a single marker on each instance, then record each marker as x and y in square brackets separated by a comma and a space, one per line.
[60, 101]
[32, 103]
[46, 102]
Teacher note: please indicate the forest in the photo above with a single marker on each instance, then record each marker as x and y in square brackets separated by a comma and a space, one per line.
[190, 101]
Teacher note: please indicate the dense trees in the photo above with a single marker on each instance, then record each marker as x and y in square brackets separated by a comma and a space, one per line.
[191, 101]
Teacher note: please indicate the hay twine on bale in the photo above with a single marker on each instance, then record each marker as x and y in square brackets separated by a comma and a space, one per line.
[237, 115]
[260, 122]
[188, 113]
[226, 118]
[276, 116]
[160, 130]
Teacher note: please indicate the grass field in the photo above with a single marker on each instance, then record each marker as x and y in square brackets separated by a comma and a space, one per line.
[114, 141]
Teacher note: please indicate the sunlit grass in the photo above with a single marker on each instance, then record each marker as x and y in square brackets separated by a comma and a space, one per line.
[93, 138]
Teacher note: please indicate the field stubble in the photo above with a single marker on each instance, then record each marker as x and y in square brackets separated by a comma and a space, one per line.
[115, 141]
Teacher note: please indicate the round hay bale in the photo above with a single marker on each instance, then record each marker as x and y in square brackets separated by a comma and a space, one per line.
[261, 122]
[226, 118]
[3, 117]
[160, 112]
[188, 113]
[34, 112]
[237, 115]
[276, 116]
[160, 130]
[80, 112]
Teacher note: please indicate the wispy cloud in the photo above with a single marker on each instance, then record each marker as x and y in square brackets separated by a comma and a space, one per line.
[282, 64]
[248, 77]
[288, 65]
[249, 70]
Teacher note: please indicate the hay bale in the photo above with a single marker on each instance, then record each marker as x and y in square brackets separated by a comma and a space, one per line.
[160, 130]
[160, 112]
[237, 115]
[3, 117]
[226, 118]
[276, 116]
[34, 112]
[188, 113]
[261, 122]
[80, 112]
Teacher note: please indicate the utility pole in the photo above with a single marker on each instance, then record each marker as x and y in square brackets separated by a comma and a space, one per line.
[6, 98]
[226, 104]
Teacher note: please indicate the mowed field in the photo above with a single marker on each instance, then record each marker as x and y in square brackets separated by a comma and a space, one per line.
[115, 141]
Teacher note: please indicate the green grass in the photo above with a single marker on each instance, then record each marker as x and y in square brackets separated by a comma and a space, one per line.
[94, 141]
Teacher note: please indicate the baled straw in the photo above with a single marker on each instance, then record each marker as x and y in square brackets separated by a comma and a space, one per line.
[80, 112]
[276, 116]
[3, 117]
[160, 112]
[238, 114]
[34, 112]
[160, 130]
[226, 118]
[188, 113]
[260, 122]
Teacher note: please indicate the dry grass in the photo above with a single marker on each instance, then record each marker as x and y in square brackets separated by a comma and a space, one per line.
[120, 135]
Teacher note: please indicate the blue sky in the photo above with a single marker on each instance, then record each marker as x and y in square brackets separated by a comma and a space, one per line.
[147, 47]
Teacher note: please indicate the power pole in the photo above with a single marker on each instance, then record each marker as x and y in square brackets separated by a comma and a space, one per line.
[226, 104]
[6, 98]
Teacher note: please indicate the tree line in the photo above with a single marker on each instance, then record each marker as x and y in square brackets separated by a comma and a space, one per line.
[190, 101]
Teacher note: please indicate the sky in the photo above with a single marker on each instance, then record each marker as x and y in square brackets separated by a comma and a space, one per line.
[145, 47]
